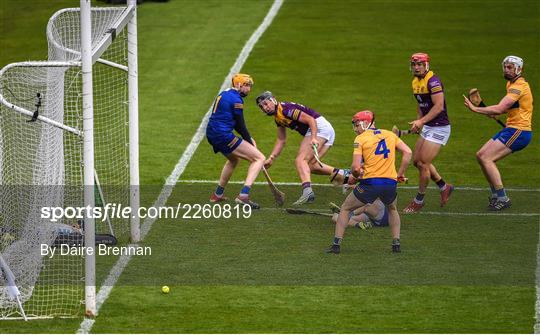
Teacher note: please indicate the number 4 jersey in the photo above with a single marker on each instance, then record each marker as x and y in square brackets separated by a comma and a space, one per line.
[378, 150]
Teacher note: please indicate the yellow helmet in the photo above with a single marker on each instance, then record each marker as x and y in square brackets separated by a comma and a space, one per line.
[241, 79]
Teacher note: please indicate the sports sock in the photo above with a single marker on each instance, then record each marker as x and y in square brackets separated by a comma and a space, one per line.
[337, 240]
[245, 191]
[419, 198]
[501, 193]
[306, 188]
[493, 191]
[220, 190]
[442, 184]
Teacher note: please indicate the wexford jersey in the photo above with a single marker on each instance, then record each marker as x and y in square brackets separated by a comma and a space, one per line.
[423, 89]
[378, 150]
[520, 114]
[227, 104]
[288, 115]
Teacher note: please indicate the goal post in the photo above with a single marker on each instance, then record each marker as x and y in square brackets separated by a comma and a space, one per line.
[63, 122]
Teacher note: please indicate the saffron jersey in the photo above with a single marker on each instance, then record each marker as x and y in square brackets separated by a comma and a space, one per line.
[423, 89]
[378, 150]
[288, 116]
[520, 114]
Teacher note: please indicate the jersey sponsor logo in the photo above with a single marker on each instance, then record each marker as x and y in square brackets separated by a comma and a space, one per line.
[238, 106]
[356, 145]
[514, 91]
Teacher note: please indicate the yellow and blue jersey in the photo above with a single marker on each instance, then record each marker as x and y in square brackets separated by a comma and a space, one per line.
[227, 104]
[423, 89]
[378, 150]
[520, 114]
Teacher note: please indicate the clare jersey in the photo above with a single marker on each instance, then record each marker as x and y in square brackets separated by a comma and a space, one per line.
[378, 150]
[423, 89]
[288, 116]
[227, 104]
[520, 114]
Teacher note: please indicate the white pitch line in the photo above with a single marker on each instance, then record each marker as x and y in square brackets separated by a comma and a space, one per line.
[461, 188]
[116, 271]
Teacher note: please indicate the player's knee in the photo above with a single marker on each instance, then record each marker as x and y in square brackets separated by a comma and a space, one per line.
[421, 165]
[481, 156]
[299, 160]
[260, 158]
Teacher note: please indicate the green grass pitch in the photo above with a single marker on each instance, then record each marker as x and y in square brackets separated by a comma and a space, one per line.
[462, 269]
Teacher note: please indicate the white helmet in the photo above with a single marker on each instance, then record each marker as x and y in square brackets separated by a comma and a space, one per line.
[517, 61]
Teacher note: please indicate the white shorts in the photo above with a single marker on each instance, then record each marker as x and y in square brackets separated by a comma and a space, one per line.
[324, 130]
[439, 135]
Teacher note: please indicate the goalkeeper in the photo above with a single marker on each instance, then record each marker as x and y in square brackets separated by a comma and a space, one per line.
[306, 122]
[228, 115]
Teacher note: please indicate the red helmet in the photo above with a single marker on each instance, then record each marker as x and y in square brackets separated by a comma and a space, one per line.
[420, 57]
[365, 118]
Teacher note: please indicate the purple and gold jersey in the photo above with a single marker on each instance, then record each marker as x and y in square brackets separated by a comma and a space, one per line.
[288, 116]
[423, 89]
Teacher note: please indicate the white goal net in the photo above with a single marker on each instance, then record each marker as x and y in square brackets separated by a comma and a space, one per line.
[42, 166]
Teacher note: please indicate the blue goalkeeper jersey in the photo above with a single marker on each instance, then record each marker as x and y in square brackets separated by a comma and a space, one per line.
[227, 105]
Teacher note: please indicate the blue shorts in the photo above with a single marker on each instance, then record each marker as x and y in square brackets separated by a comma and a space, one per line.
[513, 138]
[224, 143]
[370, 189]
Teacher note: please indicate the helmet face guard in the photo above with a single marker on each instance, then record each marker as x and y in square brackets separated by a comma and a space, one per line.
[517, 61]
[363, 119]
[264, 96]
[419, 57]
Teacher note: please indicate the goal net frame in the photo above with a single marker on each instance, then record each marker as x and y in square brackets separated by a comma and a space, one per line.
[89, 51]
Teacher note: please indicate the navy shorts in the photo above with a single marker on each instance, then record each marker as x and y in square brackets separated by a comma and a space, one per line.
[224, 143]
[513, 138]
[370, 189]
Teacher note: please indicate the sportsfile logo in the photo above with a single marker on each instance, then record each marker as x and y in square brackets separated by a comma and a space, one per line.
[119, 211]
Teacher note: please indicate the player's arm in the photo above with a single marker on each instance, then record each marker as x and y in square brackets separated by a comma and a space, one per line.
[502, 107]
[360, 210]
[406, 154]
[240, 125]
[281, 140]
[356, 167]
[312, 123]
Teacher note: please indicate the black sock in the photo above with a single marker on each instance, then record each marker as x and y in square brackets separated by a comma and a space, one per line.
[441, 183]
[419, 197]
